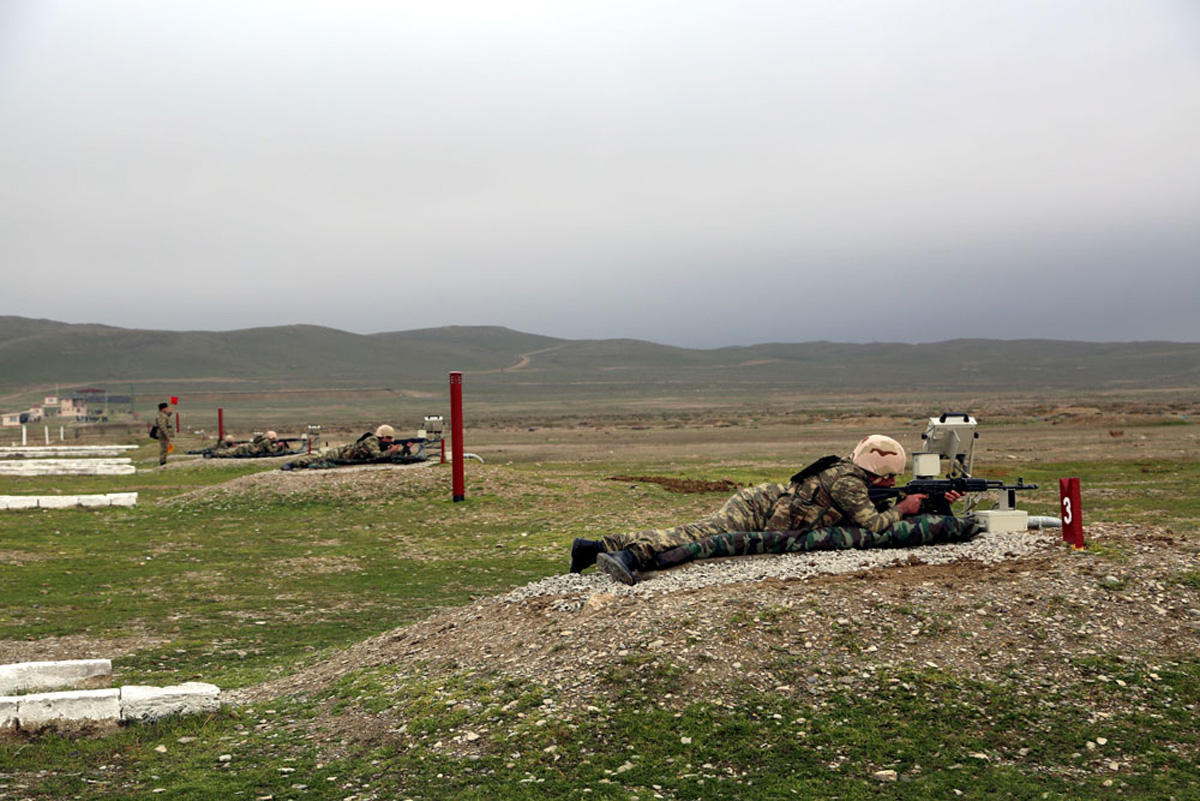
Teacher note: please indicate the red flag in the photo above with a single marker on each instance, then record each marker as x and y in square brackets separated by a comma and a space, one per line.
[174, 401]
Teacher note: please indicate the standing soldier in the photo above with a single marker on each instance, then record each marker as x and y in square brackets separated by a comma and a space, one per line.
[163, 424]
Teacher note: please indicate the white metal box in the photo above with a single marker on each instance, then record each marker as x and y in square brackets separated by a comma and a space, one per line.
[1002, 521]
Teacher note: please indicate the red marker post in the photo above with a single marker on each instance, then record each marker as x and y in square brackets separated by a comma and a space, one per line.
[456, 431]
[1072, 511]
[220, 423]
[174, 403]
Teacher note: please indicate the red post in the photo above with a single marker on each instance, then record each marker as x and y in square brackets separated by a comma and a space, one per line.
[442, 442]
[1072, 511]
[456, 429]
[220, 423]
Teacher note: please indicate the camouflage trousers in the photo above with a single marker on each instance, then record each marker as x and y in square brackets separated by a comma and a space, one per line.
[919, 530]
[316, 459]
[748, 510]
[164, 444]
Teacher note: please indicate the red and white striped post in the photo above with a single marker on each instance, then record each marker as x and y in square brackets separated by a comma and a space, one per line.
[1072, 511]
[456, 431]
[220, 423]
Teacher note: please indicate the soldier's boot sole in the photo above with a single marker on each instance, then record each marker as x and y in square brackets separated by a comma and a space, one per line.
[615, 566]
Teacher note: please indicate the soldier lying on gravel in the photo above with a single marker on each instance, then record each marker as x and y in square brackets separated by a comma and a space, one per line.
[824, 506]
[261, 445]
[368, 448]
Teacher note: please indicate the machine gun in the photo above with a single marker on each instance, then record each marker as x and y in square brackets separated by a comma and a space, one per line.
[936, 489]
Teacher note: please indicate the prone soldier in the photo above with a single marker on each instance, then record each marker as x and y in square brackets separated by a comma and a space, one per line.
[262, 445]
[833, 491]
[369, 447]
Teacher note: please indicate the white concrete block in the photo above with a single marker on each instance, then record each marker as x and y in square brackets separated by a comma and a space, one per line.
[8, 714]
[77, 673]
[69, 710]
[140, 702]
[116, 470]
[66, 467]
[57, 501]
[42, 451]
[67, 501]
[22, 501]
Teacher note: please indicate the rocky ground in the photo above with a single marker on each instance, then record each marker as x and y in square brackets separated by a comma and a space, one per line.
[1028, 621]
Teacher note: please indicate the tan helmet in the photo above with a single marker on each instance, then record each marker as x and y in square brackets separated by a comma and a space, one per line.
[272, 435]
[385, 431]
[880, 455]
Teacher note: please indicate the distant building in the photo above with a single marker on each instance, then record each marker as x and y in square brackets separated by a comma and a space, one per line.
[17, 418]
[94, 405]
[75, 406]
[83, 406]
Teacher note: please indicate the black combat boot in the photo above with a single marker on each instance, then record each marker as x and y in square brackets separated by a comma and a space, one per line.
[584, 553]
[619, 565]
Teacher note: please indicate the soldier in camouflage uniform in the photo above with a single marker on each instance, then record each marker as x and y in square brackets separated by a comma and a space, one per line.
[261, 445]
[828, 493]
[368, 448]
[923, 529]
[163, 422]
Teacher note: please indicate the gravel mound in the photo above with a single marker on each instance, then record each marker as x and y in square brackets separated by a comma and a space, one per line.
[575, 588]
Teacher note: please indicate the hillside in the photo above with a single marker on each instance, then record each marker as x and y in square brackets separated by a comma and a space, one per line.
[38, 356]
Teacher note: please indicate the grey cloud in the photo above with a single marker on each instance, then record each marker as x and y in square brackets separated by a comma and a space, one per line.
[600, 169]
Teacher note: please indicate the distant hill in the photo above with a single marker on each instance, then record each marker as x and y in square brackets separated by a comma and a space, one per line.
[37, 356]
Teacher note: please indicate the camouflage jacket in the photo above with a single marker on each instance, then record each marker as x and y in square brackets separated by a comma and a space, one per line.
[835, 496]
[163, 421]
[259, 446]
[365, 450]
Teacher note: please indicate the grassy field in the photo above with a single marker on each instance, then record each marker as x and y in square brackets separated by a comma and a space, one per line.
[226, 576]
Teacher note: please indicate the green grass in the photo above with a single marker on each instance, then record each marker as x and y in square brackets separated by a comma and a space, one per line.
[997, 746]
[237, 593]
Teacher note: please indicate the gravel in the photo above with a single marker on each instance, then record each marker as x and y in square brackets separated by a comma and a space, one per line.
[575, 588]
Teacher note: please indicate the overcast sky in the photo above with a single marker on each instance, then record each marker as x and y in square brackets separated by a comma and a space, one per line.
[697, 173]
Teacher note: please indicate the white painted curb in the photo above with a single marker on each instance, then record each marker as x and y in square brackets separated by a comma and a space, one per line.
[78, 709]
[67, 501]
[141, 703]
[67, 467]
[38, 451]
[8, 714]
[25, 676]
[68, 709]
